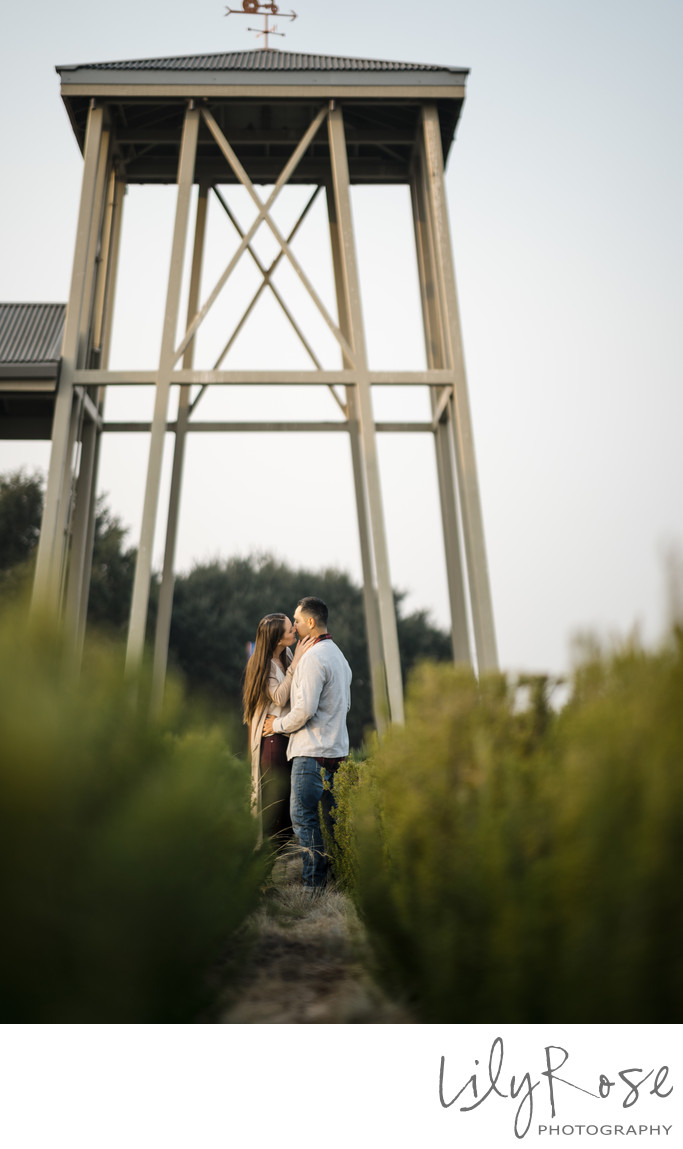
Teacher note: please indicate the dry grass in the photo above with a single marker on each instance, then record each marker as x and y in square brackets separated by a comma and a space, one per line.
[308, 960]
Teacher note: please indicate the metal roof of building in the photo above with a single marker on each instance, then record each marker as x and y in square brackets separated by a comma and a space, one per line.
[259, 60]
[265, 100]
[31, 332]
[30, 349]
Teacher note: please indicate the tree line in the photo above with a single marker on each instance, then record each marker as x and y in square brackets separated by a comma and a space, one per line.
[216, 605]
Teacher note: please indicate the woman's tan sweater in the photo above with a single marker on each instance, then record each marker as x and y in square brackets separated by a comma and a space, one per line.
[278, 687]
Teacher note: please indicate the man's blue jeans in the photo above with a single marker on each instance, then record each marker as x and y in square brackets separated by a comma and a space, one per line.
[307, 790]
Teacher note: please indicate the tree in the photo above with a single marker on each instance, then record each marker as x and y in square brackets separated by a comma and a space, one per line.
[21, 508]
[113, 569]
[21, 511]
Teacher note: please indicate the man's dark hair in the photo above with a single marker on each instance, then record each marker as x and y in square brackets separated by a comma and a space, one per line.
[315, 607]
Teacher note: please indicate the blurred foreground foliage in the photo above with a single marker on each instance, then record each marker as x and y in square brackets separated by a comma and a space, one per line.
[126, 845]
[513, 864]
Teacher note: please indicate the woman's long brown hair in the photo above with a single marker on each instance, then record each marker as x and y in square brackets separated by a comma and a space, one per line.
[269, 632]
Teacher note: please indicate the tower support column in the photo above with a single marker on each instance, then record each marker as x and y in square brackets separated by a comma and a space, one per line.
[83, 530]
[163, 625]
[52, 544]
[463, 439]
[441, 414]
[103, 345]
[143, 566]
[366, 460]
[378, 676]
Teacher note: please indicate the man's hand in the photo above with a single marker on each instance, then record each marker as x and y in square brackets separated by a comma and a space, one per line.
[268, 726]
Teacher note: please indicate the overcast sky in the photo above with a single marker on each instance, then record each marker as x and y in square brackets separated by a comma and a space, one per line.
[565, 186]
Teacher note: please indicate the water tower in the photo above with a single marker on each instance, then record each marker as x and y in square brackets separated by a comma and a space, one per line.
[263, 119]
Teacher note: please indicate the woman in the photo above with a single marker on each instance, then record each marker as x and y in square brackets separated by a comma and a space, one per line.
[267, 685]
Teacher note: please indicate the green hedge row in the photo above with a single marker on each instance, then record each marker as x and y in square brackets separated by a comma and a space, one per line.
[126, 845]
[516, 865]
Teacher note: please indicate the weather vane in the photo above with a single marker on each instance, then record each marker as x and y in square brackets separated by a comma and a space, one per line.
[270, 8]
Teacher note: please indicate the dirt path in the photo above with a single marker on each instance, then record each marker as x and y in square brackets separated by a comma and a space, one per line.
[308, 960]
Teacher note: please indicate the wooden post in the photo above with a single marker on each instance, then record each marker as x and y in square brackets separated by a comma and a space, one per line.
[51, 547]
[468, 485]
[378, 673]
[436, 357]
[368, 461]
[143, 566]
[80, 557]
[163, 628]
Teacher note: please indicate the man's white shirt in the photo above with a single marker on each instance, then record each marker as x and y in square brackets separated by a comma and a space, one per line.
[319, 701]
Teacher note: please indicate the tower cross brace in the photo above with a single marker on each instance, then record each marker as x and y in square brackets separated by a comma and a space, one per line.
[262, 118]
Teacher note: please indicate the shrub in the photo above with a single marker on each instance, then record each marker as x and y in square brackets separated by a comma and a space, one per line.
[339, 845]
[126, 845]
[522, 867]
[619, 835]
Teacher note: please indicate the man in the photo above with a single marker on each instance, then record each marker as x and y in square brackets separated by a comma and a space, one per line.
[319, 741]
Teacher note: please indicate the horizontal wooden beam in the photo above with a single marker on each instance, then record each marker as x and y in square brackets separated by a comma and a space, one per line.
[137, 88]
[437, 377]
[149, 170]
[257, 428]
[27, 386]
[346, 378]
[374, 136]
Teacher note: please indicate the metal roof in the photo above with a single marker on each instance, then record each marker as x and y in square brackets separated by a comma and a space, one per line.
[30, 350]
[31, 333]
[260, 60]
[264, 100]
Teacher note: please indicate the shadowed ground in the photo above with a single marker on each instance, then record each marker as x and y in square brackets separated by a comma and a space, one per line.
[308, 960]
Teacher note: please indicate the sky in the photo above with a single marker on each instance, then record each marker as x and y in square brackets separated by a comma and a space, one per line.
[564, 184]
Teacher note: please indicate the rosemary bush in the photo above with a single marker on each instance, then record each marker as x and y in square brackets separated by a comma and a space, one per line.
[514, 865]
[126, 845]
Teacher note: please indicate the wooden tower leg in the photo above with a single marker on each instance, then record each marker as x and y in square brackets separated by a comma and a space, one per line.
[468, 485]
[79, 533]
[163, 627]
[102, 347]
[82, 534]
[143, 566]
[441, 411]
[367, 456]
[73, 527]
[51, 546]
[378, 675]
